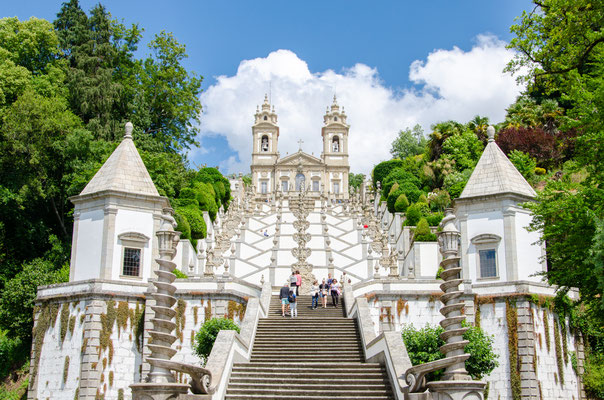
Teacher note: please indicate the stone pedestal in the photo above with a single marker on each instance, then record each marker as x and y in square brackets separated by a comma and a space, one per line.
[457, 390]
[158, 391]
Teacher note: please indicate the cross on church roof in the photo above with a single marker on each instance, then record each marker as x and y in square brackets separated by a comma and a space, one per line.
[300, 144]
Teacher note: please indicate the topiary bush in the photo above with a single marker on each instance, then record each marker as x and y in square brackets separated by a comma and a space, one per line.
[391, 200]
[381, 171]
[434, 218]
[205, 338]
[423, 345]
[413, 215]
[195, 219]
[400, 176]
[411, 191]
[422, 232]
[401, 203]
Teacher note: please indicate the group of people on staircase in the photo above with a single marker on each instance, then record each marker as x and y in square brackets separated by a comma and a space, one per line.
[288, 295]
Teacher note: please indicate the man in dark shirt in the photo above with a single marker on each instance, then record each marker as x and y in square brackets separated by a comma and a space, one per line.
[283, 296]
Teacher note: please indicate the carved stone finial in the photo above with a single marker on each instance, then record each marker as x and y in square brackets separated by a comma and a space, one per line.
[128, 130]
[491, 133]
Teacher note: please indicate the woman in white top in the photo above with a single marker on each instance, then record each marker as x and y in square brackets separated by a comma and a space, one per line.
[335, 292]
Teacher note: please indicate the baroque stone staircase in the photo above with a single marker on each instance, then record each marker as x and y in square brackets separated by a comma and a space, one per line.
[317, 355]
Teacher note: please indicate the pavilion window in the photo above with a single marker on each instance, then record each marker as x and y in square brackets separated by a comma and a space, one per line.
[488, 263]
[131, 262]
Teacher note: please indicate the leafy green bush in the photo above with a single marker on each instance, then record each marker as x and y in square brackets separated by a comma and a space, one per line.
[12, 353]
[540, 171]
[456, 189]
[593, 379]
[465, 148]
[195, 219]
[434, 218]
[413, 215]
[422, 232]
[182, 226]
[19, 294]
[439, 200]
[401, 203]
[205, 338]
[399, 176]
[391, 200]
[411, 191]
[423, 346]
[381, 171]
[524, 163]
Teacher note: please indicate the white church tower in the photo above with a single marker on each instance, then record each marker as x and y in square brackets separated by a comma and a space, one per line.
[265, 137]
[495, 244]
[115, 220]
[335, 148]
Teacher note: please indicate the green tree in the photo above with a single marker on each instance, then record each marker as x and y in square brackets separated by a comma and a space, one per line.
[381, 170]
[465, 148]
[409, 142]
[205, 338]
[524, 163]
[355, 180]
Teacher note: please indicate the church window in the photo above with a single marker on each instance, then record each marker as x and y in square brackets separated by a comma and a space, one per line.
[132, 262]
[315, 186]
[335, 118]
[264, 143]
[335, 144]
[488, 263]
[284, 186]
[265, 118]
[264, 187]
[336, 187]
[300, 178]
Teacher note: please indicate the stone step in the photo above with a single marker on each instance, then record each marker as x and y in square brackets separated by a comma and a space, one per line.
[285, 366]
[273, 396]
[327, 391]
[301, 386]
[315, 379]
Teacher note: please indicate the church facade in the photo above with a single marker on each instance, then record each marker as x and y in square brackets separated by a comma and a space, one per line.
[327, 174]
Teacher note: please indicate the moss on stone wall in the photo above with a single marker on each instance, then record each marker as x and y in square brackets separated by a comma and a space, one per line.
[107, 321]
[511, 314]
[400, 306]
[181, 307]
[208, 311]
[234, 308]
[557, 346]
[65, 369]
[120, 394]
[139, 326]
[195, 315]
[122, 315]
[562, 321]
[546, 327]
[72, 322]
[64, 321]
[46, 315]
[110, 378]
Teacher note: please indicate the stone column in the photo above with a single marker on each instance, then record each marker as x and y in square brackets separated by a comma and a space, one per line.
[90, 368]
[526, 351]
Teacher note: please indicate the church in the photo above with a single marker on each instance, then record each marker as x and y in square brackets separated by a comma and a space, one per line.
[301, 171]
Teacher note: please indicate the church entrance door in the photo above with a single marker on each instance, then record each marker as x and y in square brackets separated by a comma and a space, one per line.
[300, 181]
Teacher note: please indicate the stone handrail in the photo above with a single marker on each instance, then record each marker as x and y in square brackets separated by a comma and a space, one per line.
[416, 376]
[231, 347]
[387, 348]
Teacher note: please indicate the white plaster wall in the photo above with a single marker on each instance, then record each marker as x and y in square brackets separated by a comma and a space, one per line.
[89, 243]
[50, 383]
[428, 259]
[528, 249]
[481, 223]
[133, 221]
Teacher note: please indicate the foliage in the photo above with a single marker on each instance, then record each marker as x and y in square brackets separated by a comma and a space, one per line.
[205, 338]
[382, 170]
[17, 302]
[422, 232]
[435, 218]
[400, 176]
[411, 191]
[413, 215]
[12, 352]
[194, 217]
[409, 142]
[179, 274]
[593, 379]
[547, 149]
[392, 198]
[401, 203]
[355, 180]
[465, 148]
[524, 163]
[439, 199]
[456, 189]
[423, 345]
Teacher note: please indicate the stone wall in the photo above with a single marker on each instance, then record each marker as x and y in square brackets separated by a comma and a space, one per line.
[90, 347]
[538, 369]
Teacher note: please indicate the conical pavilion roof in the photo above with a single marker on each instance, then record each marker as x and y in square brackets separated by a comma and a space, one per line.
[124, 171]
[495, 174]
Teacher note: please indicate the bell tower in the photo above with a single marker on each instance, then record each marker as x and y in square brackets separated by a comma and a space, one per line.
[335, 150]
[265, 136]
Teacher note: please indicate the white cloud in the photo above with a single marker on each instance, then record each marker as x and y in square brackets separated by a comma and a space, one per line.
[455, 85]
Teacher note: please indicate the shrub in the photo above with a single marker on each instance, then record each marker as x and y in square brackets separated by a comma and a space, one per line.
[524, 163]
[423, 346]
[401, 203]
[413, 215]
[182, 226]
[393, 188]
[399, 176]
[391, 200]
[465, 148]
[195, 220]
[17, 302]
[12, 353]
[411, 191]
[381, 171]
[439, 200]
[422, 232]
[593, 379]
[456, 189]
[435, 218]
[422, 199]
[205, 338]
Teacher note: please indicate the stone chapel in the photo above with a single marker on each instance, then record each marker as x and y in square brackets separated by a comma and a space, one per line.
[328, 174]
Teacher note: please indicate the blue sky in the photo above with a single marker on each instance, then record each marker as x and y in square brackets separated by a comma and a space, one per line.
[334, 39]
